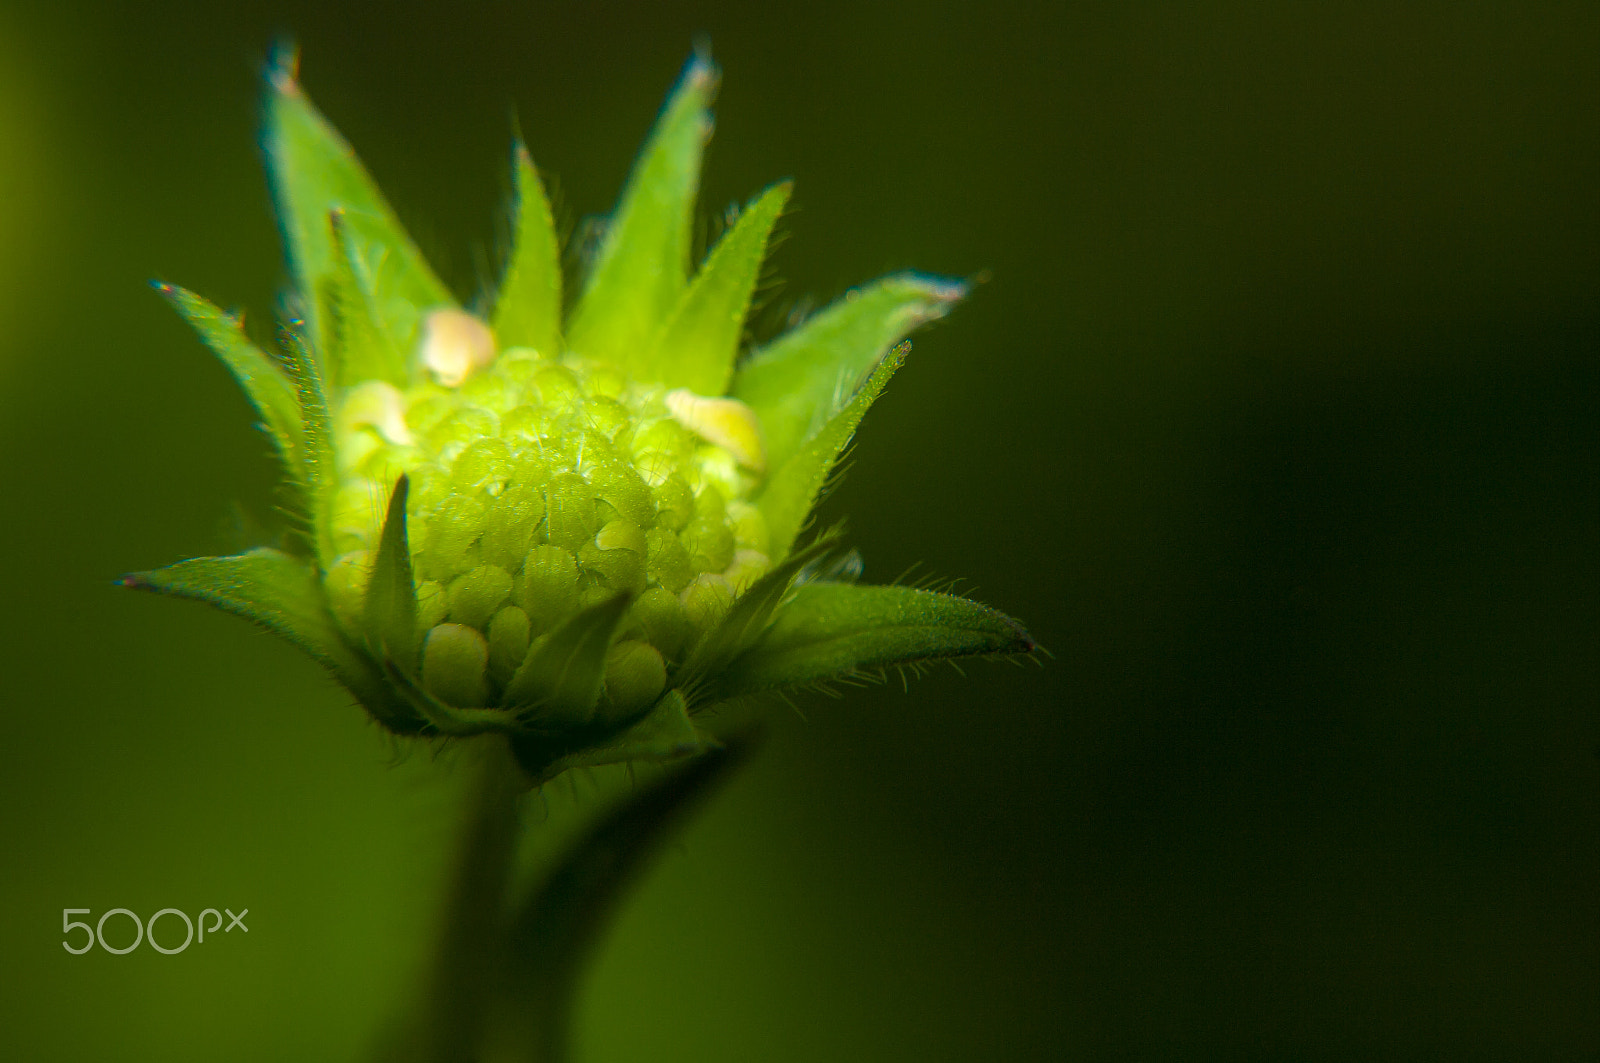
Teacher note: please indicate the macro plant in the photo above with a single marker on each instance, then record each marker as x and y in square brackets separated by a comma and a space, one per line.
[568, 527]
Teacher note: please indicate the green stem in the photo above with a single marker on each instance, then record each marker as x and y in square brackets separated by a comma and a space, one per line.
[555, 930]
[470, 950]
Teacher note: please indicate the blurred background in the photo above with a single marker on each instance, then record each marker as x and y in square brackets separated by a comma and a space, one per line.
[1276, 421]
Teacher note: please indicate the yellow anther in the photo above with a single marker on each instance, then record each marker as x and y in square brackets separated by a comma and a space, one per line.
[727, 423]
[455, 345]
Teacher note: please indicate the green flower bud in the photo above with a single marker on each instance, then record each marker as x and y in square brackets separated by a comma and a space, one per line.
[511, 525]
[664, 436]
[509, 635]
[557, 387]
[571, 518]
[635, 675]
[549, 586]
[562, 523]
[619, 487]
[674, 501]
[476, 595]
[484, 464]
[453, 531]
[668, 564]
[617, 556]
[707, 536]
[518, 364]
[453, 661]
[433, 605]
[659, 618]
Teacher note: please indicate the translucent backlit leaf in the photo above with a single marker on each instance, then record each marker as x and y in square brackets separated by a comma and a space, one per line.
[787, 499]
[831, 630]
[698, 346]
[314, 172]
[643, 262]
[527, 312]
[269, 390]
[800, 380]
[284, 595]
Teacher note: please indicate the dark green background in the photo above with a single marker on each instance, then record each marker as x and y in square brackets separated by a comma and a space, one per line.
[1276, 422]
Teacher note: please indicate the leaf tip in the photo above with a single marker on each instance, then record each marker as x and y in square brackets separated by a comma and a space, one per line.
[700, 72]
[942, 292]
[283, 68]
[1025, 642]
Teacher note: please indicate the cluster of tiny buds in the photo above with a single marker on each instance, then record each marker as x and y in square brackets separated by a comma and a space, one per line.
[540, 485]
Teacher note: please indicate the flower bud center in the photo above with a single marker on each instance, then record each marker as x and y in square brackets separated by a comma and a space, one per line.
[540, 486]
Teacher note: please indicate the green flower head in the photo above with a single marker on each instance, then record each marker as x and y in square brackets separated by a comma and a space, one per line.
[577, 530]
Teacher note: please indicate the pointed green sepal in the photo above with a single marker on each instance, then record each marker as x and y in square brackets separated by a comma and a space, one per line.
[793, 490]
[559, 682]
[749, 616]
[269, 390]
[319, 471]
[701, 339]
[368, 330]
[391, 605]
[314, 171]
[833, 630]
[643, 262]
[279, 592]
[283, 595]
[664, 733]
[527, 312]
[798, 382]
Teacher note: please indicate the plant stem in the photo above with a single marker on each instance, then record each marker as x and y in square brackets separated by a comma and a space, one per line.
[470, 951]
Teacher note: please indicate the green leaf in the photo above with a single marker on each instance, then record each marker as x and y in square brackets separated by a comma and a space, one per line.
[787, 499]
[643, 263]
[701, 339]
[555, 927]
[319, 470]
[391, 606]
[800, 380]
[749, 615]
[363, 343]
[559, 681]
[283, 595]
[268, 389]
[314, 171]
[527, 312]
[269, 587]
[832, 630]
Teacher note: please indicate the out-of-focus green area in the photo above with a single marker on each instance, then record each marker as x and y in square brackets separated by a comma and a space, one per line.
[1276, 422]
